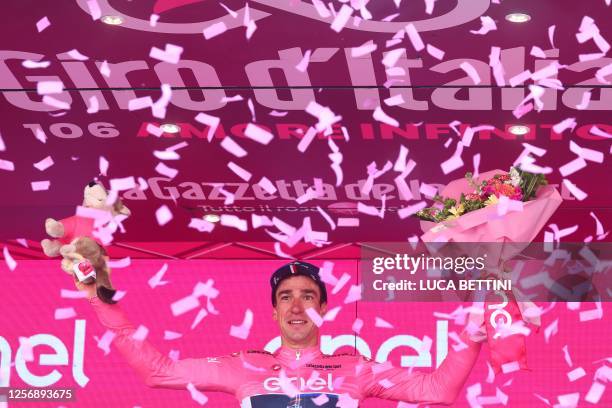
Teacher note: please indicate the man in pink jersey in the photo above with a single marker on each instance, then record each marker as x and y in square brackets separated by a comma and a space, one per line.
[298, 375]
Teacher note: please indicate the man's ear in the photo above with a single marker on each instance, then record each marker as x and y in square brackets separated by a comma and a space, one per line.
[323, 309]
[274, 314]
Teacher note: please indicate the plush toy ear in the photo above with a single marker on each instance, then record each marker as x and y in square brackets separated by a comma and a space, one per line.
[104, 288]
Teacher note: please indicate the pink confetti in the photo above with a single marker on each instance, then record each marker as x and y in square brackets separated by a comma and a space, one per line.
[258, 134]
[428, 190]
[566, 355]
[551, 330]
[202, 313]
[94, 105]
[602, 73]
[302, 66]
[232, 147]
[354, 294]
[156, 280]
[251, 27]
[49, 87]
[171, 54]
[520, 78]
[392, 57]
[64, 313]
[341, 18]
[55, 103]
[75, 55]
[314, 317]
[510, 367]
[8, 259]
[471, 72]
[239, 171]
[196, 395]
[584, 103]
[410, 210]
[153, 19]
[487, 25]
[31, 64]
[121, 184]
[429, 6]
[163, 215]
[159, 107]
[435, 52]
[170, 335]
[414, 37]
[94, 9]
[576, 192]
[211, 121]
[267, 185]
[357, 325]
[42, 24]
[593, 314]
[242, 331]
[44, 164]
[341, 283]
[201, 225]
[364, 49]
[588, 154]
[229, 220]
[598, 132]
[72, 294]
[551, 34]
[381, 116]
[105, 341]
[214, 30]
[454, 162]
[322, 399]
[595, 392]
[382, 323]
[164, 170]
[40, 185]
[120, 263]
[576, 374]
[569, 123]
[140, 103]
[278, 114]
[537, 52]
[348, 222]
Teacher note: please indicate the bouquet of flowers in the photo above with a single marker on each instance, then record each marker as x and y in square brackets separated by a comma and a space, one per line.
[517, 185]
[503, 211]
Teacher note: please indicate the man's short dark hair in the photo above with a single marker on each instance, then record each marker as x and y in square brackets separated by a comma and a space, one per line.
[297, 269]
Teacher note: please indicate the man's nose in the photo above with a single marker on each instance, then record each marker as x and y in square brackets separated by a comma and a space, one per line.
[296, 306]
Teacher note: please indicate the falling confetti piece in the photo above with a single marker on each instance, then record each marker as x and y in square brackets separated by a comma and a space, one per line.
[258, 134]
[382, 323]
[314, 316]
[170, 54]
[214, 30]
[42, 24]
[40, 185]
[64, 313]
[94, 9]
[341, 18]
[196, 395]
[156, 280]
[415, 38]
[163, 215]
[170, 335]
[105, 341]
[242, 331]
[232, 147]
[8, 259]
[44, 164]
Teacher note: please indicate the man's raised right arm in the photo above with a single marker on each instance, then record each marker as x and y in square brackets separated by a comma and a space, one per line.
[218, 374]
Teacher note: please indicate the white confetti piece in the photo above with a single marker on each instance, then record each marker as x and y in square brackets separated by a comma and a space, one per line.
[322, 399]
[510, 367]
[121, 184]
[120, 263]
[572, 167]
[471, 72]
[232, 147]
[140, 103]
[156, 280]
[488, 24]
[378, 322]
[411, 209]
[211, 121]
[435, 52]
[354, 294]
[170, 54]
[72, 294]
[314, 316]
[164, 170]
[242, 331]
[551, 330]
[258, 134]
[381, 116]
[196, 395]
[166, 155]
[55, 103]
[602, 73]
[267, 185]
[141, 333]
[42, 24]
[347, 222]
[201, 225]
[44, 164]
[331, 315]
[302, 66]
[184, 305]
[171, 335]
[202, 313]
[163, 215]
[40, 185]
[214, 30]
[357, 325]
[153, 19]
[364, 49]
[595, 392]
[392, 57]
[576, 192]
[7, 165]
[239, 171]
[454, 162]
[105, 341]
[593, 314]
[64, 313]
[75, 55]
[49, 87]
[576, 374]
[229, 220]
[428, 190]
[587, 154]
[584, 103]
[566, 356]
[159, 107]
[94, 9]
[8, 259]
[415, 38]
[341, 18]
[120, 294]
[33, 64]
[94, 105]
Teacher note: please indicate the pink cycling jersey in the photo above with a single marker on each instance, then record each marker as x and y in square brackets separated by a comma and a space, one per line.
[289, 377]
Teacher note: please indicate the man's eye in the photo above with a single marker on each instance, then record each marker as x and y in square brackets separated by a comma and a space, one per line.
[284, 297]
[308, 297]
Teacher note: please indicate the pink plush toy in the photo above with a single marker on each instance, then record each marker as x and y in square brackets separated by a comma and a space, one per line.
[69, 229]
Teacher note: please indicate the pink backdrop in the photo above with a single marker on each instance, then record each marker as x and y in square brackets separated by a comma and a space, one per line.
[32, 293]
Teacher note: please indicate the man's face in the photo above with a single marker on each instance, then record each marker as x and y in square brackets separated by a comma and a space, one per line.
[293, 296]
